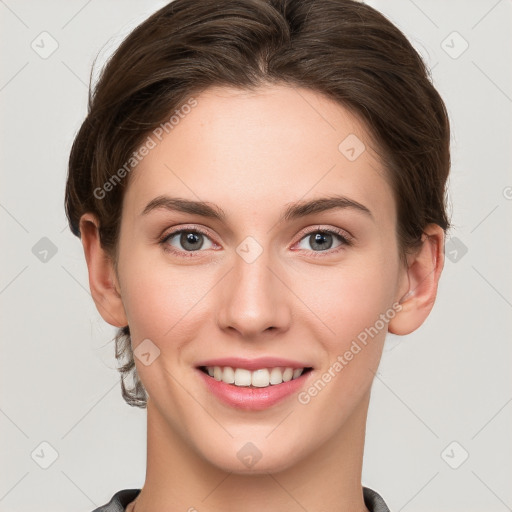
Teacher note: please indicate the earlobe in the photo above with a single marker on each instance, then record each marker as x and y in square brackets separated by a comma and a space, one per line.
[423, 273]
[103, 283]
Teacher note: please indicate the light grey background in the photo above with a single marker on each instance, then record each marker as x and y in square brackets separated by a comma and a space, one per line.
[448, 382]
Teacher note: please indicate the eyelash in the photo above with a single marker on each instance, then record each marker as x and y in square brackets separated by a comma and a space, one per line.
[345, 240]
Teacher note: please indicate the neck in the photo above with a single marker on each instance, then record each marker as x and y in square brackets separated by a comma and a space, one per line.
[178, 478]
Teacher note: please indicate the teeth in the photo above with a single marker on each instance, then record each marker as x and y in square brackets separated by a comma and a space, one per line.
[259, 378]
[297, 373]
[287, 374]
[242, 377]
[228, 375]
[276, 376]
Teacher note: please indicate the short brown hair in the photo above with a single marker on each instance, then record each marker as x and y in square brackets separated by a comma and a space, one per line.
[342, 48]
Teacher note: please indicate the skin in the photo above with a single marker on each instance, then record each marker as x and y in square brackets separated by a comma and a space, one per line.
[253, 153]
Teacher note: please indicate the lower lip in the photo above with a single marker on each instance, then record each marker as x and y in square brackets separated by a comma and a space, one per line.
[254, 399]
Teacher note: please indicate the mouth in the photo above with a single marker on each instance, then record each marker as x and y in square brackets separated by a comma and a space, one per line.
[255, 383]
[259, 378]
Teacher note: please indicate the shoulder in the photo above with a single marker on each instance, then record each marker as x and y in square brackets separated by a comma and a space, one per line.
[119, 501]
[374, 501]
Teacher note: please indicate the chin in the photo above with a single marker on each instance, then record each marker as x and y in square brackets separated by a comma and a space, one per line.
[252, 457]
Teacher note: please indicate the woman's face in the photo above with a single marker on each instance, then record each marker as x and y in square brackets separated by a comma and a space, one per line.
[266, 279]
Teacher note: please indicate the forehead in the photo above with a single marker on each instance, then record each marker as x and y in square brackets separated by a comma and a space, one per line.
[256, 150]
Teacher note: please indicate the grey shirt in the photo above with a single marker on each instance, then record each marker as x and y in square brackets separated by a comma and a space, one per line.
[118, 503]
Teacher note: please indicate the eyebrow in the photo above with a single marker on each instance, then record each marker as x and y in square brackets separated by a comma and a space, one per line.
[292, 211]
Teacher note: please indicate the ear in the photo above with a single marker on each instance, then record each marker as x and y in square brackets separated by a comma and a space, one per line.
[422, 276]
[103, 282]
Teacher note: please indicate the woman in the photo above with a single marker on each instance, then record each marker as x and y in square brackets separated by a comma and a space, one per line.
[259, 187]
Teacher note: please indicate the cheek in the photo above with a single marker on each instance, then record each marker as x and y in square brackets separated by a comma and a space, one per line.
[349, 298]
[163, 302]
[355, 305]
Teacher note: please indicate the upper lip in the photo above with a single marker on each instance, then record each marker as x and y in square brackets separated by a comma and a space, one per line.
[254, 364]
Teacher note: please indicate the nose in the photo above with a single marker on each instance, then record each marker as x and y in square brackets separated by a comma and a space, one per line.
[254, 300]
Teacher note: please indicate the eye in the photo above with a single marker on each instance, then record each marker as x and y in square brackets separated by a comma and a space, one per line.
[186, 240]
[322, 240]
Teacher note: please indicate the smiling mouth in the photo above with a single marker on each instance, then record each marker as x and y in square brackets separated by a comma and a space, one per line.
[260, 378]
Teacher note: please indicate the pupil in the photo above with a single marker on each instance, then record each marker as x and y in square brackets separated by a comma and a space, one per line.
[191, 241]
[320, 241]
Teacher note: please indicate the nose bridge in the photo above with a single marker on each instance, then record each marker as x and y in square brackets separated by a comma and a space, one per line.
[254, 299]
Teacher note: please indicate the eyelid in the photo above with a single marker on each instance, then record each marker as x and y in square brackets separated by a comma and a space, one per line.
[191, 227]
